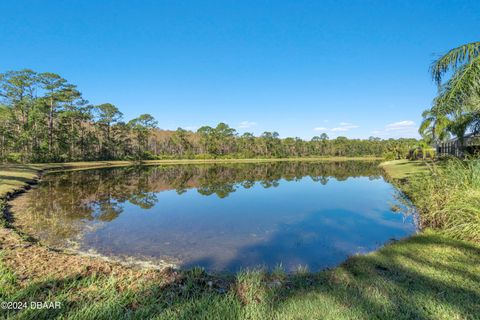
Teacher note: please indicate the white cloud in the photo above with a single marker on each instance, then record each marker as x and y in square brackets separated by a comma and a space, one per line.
[400, 126]
[246, 124]
[342, 127]
[399, 129]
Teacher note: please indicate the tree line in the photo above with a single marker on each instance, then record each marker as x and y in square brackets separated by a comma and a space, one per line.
[44, 118]
[222, 141]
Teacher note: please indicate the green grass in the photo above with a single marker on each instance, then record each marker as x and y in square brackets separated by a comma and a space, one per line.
[446, 194]
[404, 169]
[14, 177]
[427, 276]
[447, 198]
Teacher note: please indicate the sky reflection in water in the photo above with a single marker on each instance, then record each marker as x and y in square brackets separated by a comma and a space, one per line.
[221, 217]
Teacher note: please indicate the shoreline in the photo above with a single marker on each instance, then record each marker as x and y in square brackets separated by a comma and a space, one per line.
[31, 263]
[36, 171]
[41, 169]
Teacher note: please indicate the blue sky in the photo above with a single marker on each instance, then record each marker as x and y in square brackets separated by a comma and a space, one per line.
[351, 68]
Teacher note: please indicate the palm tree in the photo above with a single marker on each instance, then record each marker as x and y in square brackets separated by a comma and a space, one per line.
[456, 109]
[463, 85]
[424, 147]
[434, 126]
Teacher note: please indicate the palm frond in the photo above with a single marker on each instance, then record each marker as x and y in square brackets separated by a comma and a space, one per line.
[463, 87]
[425, 126]
[435, 125]
[454, 59]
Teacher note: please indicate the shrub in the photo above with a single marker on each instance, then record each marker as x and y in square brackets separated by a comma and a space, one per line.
[204, 156]
[448, 198]
[14, 157]
[390, 155]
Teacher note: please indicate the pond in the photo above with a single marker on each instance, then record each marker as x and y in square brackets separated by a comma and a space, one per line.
[223, 217]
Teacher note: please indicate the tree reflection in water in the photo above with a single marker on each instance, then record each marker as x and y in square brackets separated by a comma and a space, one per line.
[66, 204]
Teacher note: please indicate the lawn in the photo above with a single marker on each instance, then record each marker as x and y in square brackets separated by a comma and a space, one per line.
[427, 276]
[403, 169]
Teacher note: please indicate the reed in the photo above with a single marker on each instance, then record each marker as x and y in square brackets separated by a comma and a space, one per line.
[447, 197]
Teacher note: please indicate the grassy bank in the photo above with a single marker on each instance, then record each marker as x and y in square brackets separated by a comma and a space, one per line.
[428, 276]
[401, 170]
[446, 194]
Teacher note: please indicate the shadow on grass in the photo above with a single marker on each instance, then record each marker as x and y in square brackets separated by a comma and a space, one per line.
[425, 277]
[16, 178]
[183, 294]
[393, 284]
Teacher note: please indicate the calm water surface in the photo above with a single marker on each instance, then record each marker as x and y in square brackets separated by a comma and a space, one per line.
[221, 217]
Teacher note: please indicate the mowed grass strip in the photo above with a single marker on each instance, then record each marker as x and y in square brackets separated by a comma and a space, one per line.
[403, 169]
[428, 276]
